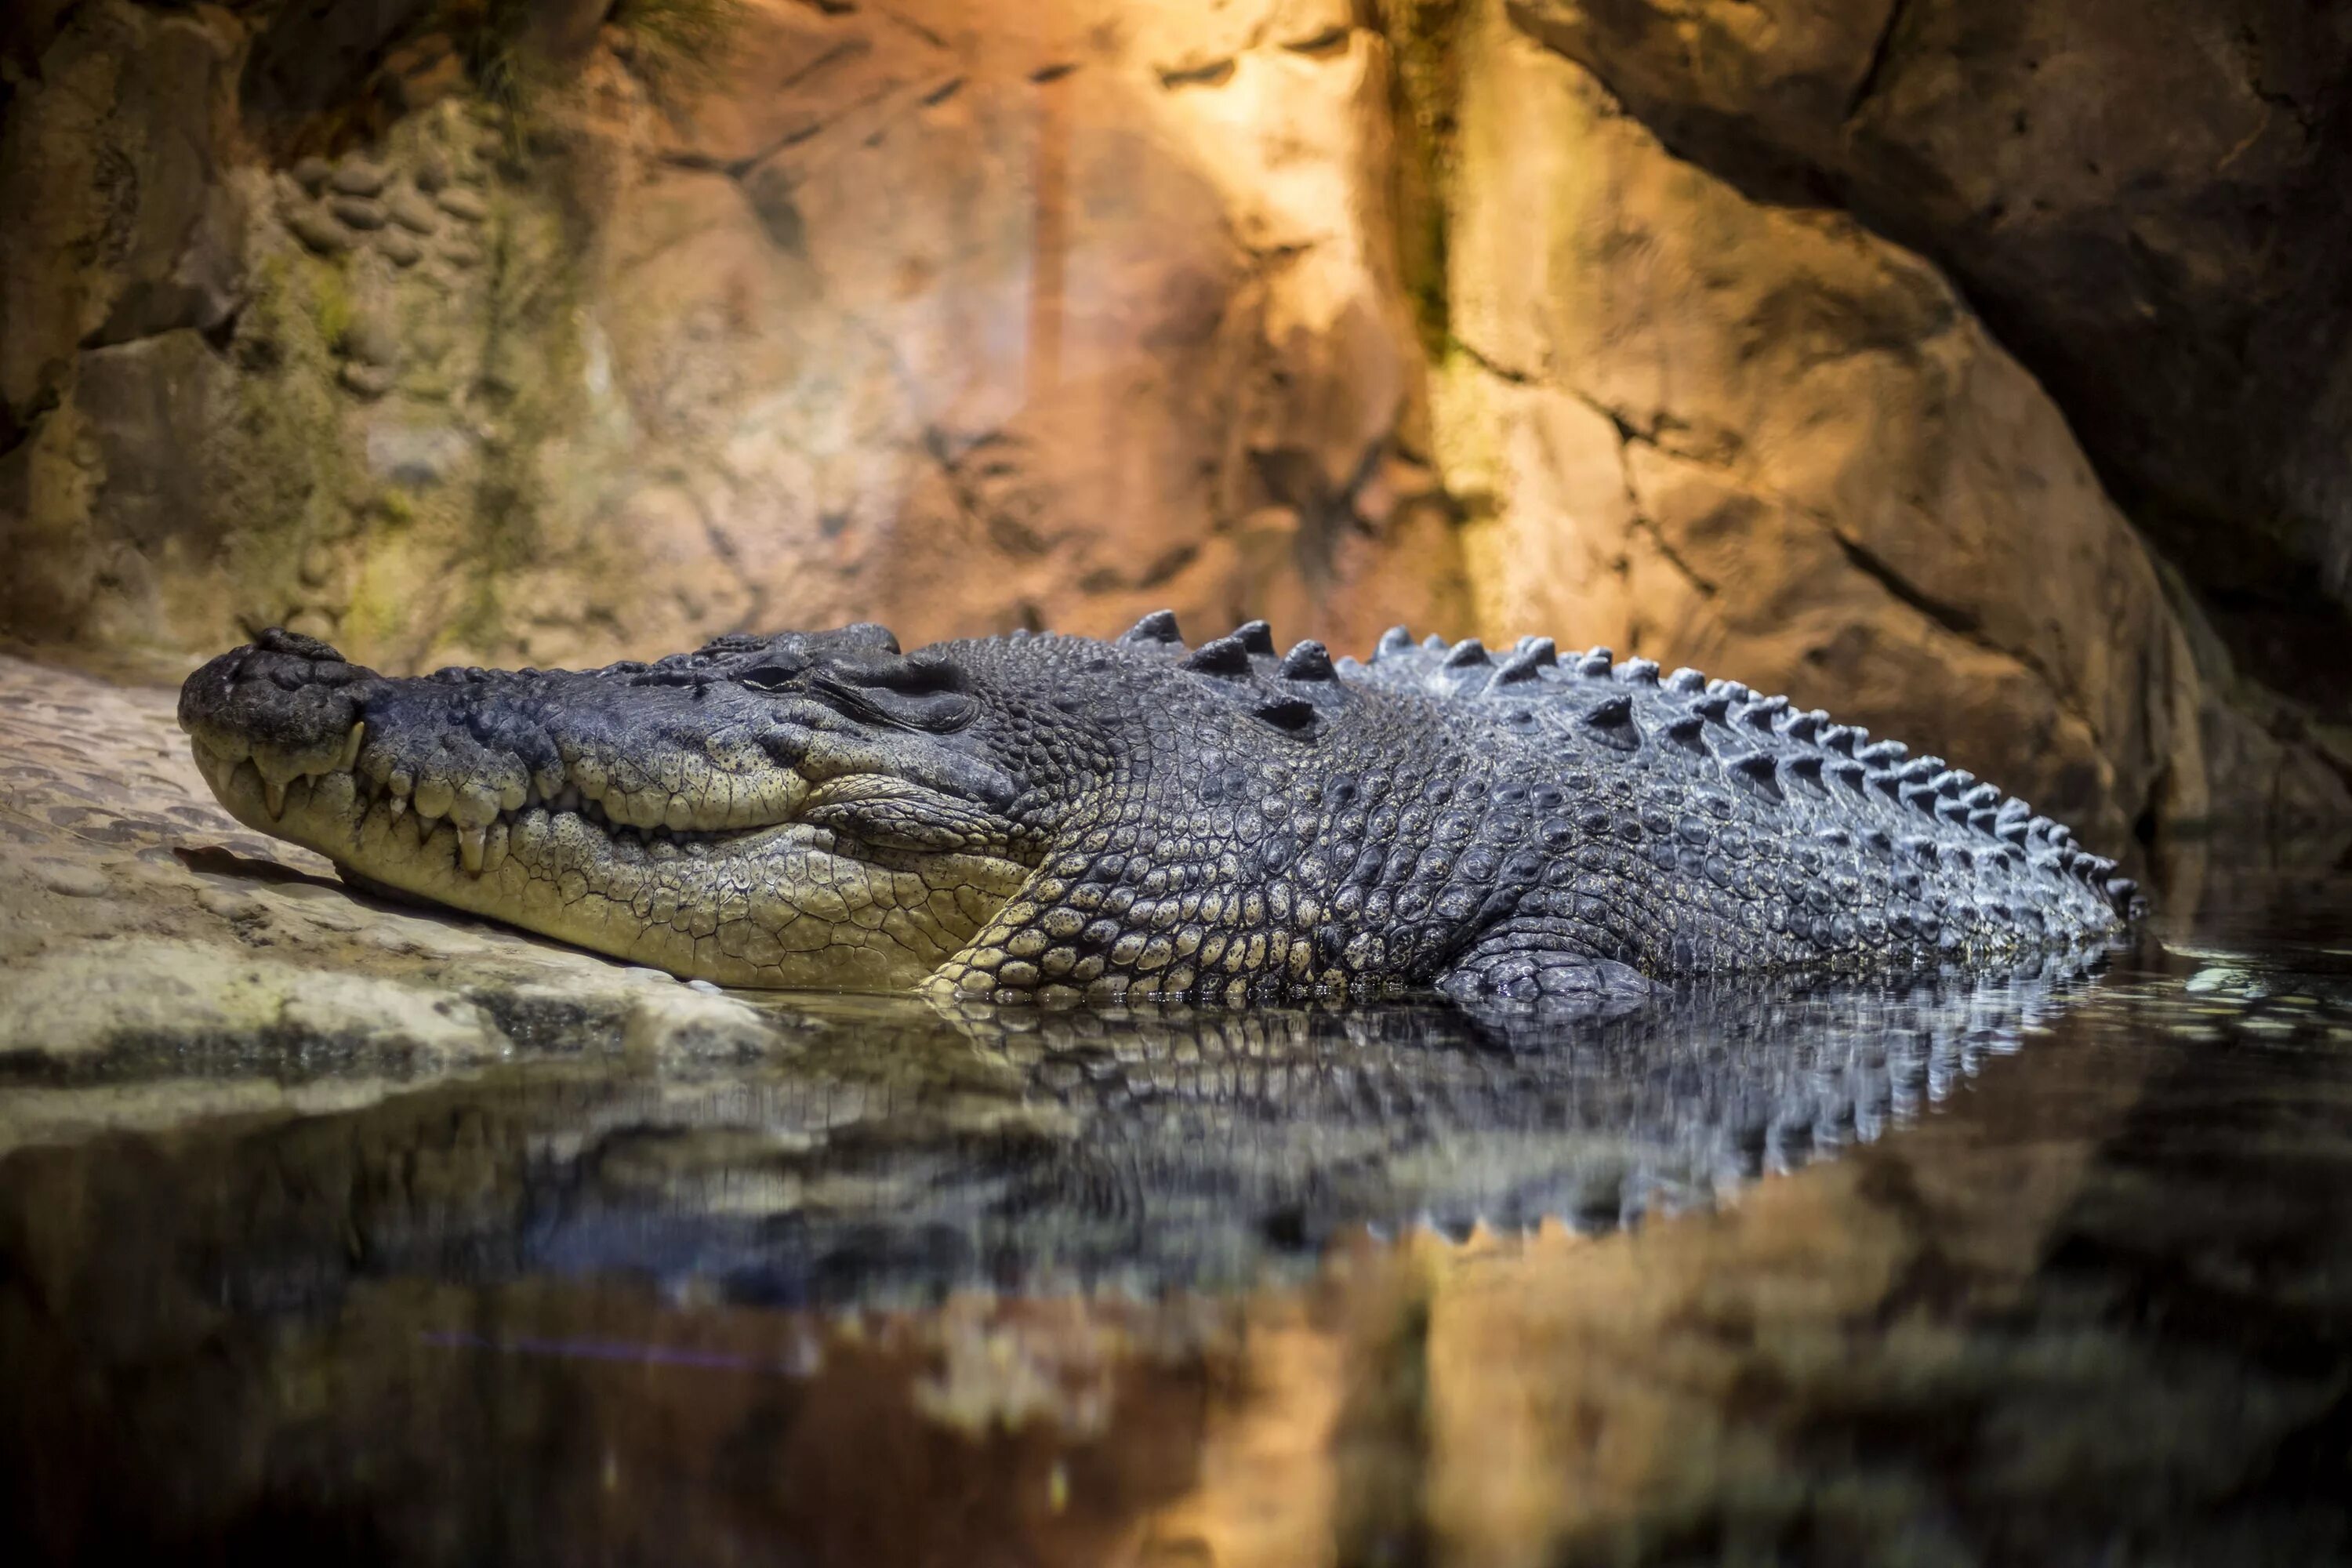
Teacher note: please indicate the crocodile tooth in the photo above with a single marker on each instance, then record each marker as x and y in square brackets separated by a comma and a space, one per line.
[495, 844]
[432, 798]
[399, 805]
[273, 795]
[473, 806]
[469, 847]
[351, 746]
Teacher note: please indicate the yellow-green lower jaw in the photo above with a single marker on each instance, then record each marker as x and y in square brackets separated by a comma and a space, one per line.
[785, 904]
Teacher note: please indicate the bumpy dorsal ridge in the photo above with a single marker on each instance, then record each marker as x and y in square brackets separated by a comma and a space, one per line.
[1759, 770]
[1532, 658]
[1158, 626]
[1307, 661]
[1219, 656]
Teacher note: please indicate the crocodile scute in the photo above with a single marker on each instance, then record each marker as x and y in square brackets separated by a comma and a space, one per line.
[1058, 818]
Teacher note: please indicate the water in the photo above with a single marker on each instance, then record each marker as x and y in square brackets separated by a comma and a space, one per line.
[2047, 1266]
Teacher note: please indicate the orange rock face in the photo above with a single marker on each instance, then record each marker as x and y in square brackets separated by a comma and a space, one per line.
[589, 341]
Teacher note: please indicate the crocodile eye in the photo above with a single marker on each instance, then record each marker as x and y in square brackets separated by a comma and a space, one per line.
[767, 677]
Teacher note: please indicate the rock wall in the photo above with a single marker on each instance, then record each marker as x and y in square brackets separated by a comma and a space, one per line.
[552, 330]
[2145, 199]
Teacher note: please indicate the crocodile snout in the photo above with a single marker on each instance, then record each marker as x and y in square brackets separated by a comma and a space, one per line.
[290, 704]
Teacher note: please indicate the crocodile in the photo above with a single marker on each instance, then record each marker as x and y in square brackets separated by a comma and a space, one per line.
[1051, 818]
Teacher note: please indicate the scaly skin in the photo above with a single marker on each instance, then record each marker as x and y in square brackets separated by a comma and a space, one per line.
[1055, 817]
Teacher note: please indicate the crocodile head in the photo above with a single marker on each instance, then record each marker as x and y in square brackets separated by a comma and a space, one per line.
[801, 810]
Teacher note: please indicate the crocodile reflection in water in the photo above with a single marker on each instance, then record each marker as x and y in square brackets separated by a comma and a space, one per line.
[898, 1152]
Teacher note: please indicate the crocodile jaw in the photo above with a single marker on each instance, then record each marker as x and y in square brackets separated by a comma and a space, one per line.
[788, 904]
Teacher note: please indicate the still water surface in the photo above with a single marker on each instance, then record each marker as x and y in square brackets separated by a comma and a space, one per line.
[2045, 1268]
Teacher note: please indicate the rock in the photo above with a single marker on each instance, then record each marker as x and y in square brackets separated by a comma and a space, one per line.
[416, 456]
[368, 381]
[318, 230]
[399, 247]
[1819, 472]
[305, 60]
[313, 174]
[369, 341]
[146, 407]
[2146, 196]
[434, 82]
[118, 226]
[359, 212]
[359, 178]
[413, 211]
[70, 880]
[460, 203]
